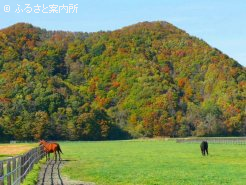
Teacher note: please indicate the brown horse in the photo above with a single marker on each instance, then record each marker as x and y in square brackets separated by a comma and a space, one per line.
[51, 148]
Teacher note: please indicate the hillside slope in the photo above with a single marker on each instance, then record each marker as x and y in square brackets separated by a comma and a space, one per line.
[148, 79]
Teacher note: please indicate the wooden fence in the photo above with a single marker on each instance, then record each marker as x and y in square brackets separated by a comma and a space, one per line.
[218, 140]
[14, 170]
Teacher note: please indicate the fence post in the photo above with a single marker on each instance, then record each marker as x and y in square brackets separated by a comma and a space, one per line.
[31, 159]
[8, 171]
[1, 173]
[28, 161]
[37, 155]
[19, 170]
[13, 168]
[22, 167]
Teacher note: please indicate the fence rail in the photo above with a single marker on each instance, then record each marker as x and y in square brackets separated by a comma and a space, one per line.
[239, 140]
[14, 170]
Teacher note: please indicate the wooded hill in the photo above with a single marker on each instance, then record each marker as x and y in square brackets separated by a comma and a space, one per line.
[145, 80]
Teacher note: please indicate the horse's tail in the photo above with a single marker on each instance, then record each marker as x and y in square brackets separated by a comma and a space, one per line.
[59, 148]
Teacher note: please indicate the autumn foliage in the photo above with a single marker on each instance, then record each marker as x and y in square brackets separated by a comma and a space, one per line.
[149, 79]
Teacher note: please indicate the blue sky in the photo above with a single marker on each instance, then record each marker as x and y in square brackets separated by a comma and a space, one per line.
[221, 23]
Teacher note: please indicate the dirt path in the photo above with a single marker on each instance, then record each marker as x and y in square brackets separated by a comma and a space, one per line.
[50, 175]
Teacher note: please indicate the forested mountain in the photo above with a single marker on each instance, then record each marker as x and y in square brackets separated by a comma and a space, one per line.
[149, 79]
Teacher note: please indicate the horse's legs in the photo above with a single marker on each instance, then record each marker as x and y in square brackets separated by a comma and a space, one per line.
[55, 156]
[203, 152]
[59, 155]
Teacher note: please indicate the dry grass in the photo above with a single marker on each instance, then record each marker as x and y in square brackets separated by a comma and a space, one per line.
[15, 149]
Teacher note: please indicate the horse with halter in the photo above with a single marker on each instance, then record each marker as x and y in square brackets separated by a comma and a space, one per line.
[51, 148]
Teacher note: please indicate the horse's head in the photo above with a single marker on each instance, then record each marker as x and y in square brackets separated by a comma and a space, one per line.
[41, 142]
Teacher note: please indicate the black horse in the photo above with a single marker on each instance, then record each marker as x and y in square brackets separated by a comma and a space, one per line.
[204, 147]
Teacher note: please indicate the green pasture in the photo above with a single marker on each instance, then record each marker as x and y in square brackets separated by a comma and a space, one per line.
[3, 156]
[150, 162]
[153, 162]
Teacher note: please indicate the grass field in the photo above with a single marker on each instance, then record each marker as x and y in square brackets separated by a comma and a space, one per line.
[151, 162]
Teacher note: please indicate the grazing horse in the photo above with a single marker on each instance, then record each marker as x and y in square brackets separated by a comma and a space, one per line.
[204, 148]
[51, 148]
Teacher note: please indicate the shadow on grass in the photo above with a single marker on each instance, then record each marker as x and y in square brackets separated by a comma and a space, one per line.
[68, 160]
